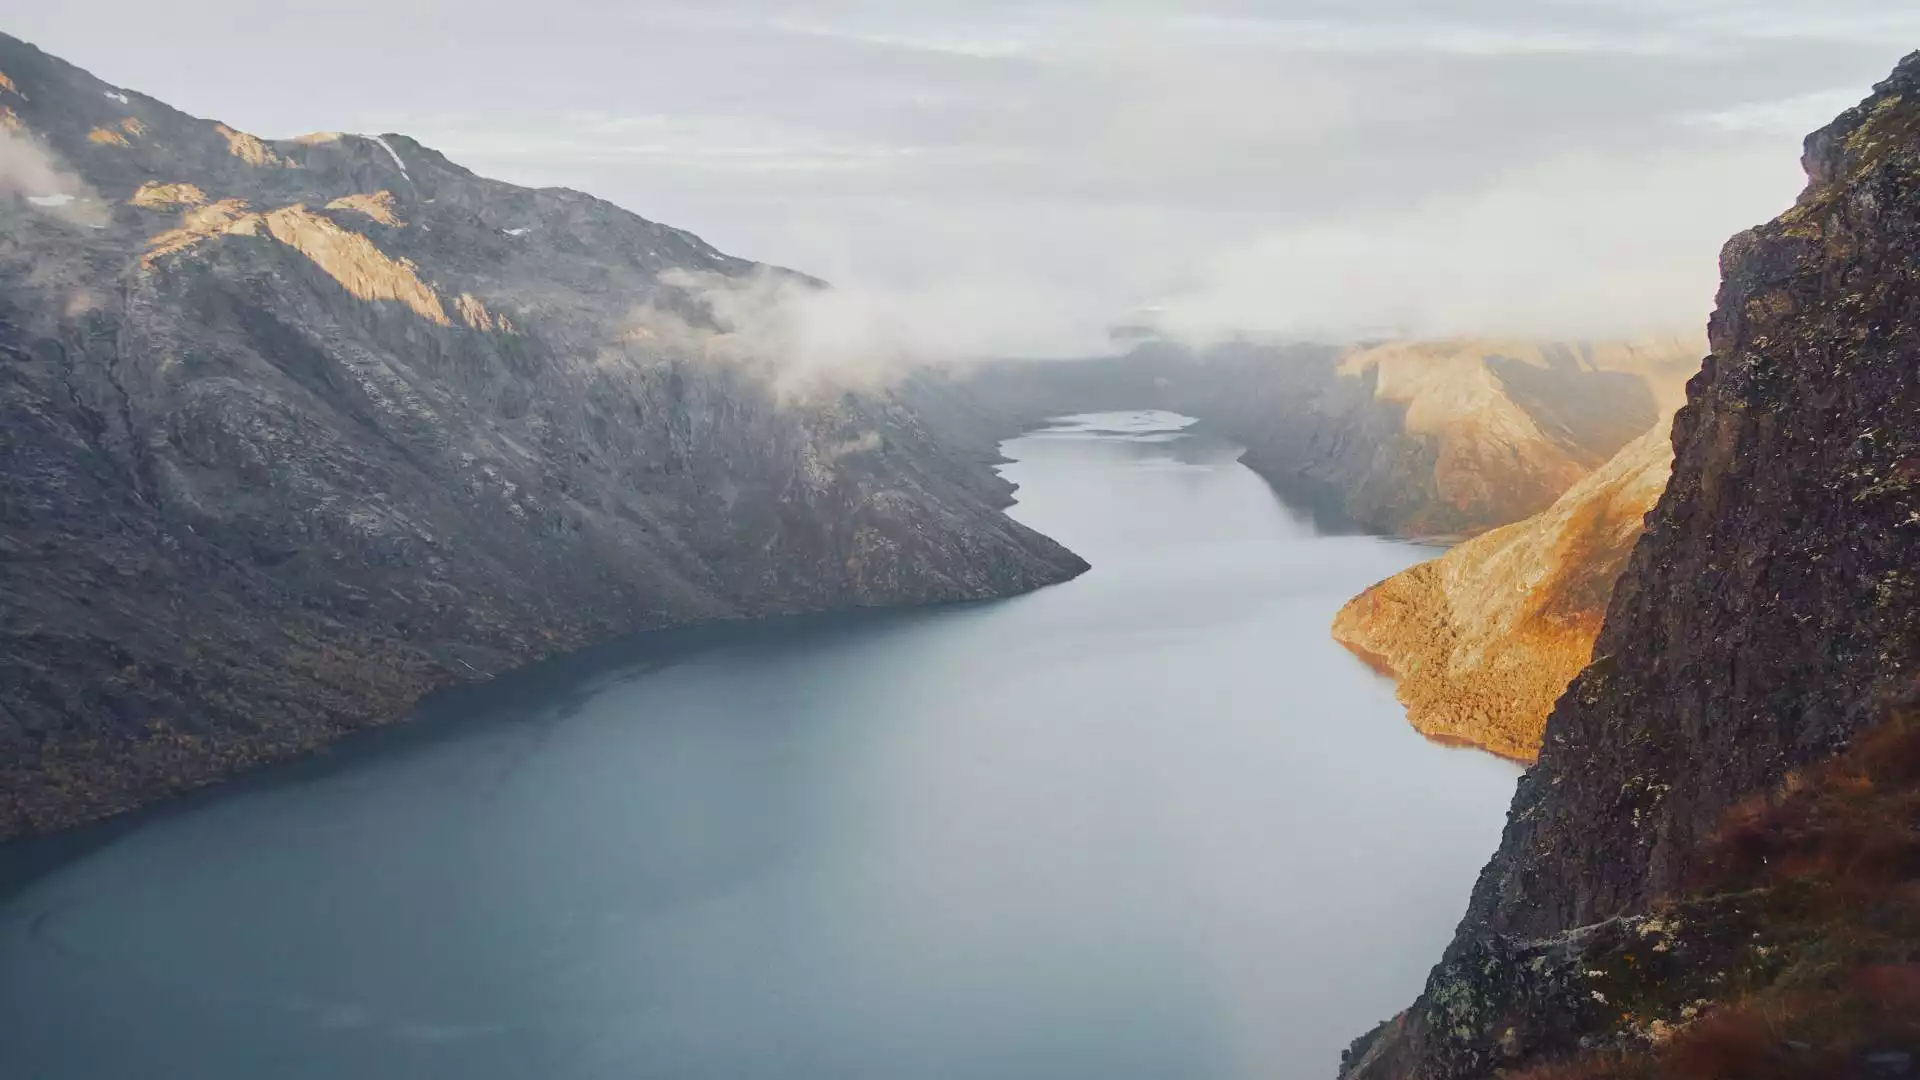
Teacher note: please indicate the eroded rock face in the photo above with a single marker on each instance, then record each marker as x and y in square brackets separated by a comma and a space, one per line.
[292, 432]
[1770, 613]
[1484, 639]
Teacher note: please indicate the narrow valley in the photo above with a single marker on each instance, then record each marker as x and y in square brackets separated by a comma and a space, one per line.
[1086, 833]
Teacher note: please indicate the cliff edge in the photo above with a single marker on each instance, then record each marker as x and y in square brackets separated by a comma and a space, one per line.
[1765, 620]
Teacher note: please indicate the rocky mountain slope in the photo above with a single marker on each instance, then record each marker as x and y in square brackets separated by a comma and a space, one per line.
[1504, 428]
[292, 432]
[1768, 618]
[1484, 639]
[1406, 438]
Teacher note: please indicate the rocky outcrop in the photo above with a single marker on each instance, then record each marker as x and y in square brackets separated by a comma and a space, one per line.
[293, 432]
[1768, 617]
[1482, 640]
[1427, 439]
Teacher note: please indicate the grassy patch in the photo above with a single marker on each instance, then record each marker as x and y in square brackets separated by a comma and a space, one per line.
[1825, 874]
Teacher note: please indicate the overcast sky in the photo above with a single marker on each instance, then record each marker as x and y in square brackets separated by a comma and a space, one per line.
[1016, 177]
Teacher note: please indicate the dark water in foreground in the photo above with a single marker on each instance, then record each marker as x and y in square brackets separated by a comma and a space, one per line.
[1150, 825]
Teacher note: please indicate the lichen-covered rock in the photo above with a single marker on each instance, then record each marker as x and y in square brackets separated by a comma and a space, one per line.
[1625, 982]
[303, 429]
[1772, 610]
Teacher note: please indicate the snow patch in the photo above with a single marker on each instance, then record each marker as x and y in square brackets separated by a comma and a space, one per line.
[115, 95]
[50, 200]
[392, 154]
[521, 231]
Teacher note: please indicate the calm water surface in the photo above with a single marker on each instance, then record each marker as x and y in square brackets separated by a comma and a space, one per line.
[1150, 825]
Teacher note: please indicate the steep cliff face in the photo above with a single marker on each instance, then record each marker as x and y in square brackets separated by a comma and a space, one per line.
[1483, 639]
[294, 431]
[1767, 617]
[1407, 438]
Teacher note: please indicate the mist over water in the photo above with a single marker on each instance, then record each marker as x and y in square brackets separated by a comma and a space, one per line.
[1149, 824]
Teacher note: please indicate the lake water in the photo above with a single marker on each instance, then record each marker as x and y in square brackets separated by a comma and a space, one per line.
[1149, 825]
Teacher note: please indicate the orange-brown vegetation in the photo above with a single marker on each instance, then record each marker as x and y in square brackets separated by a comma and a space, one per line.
[1851, 822]
[107, 137]
[1484, 639]
[132, 125]
[7, 85]
[10, 121]
[1831, 861]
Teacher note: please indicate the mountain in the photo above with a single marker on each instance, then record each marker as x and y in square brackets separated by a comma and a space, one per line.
[1484, 639]
[1499, 430]
[295, 431]
[1410, 438]
[1713, 868]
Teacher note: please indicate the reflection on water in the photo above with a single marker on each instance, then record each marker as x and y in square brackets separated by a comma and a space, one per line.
[1150, 824]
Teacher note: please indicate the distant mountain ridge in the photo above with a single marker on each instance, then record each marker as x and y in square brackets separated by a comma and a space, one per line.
[1512, 425]
[1415, 438]
[294, 431]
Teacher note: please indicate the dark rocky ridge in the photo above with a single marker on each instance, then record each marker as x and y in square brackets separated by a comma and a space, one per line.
[246, 509]
[1766, 618]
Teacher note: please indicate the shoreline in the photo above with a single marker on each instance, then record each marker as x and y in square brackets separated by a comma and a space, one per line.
[1380, 665]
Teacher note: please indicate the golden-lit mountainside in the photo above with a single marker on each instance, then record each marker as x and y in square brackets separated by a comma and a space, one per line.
[1483, 639]
[1505, 427]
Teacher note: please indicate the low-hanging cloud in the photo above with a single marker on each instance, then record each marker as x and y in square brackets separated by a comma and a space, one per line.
[990, 179]
[1582, 247]
[808, 333]
[35, 174]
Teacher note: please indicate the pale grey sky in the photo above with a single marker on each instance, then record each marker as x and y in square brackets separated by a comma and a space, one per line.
[1014, 177]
